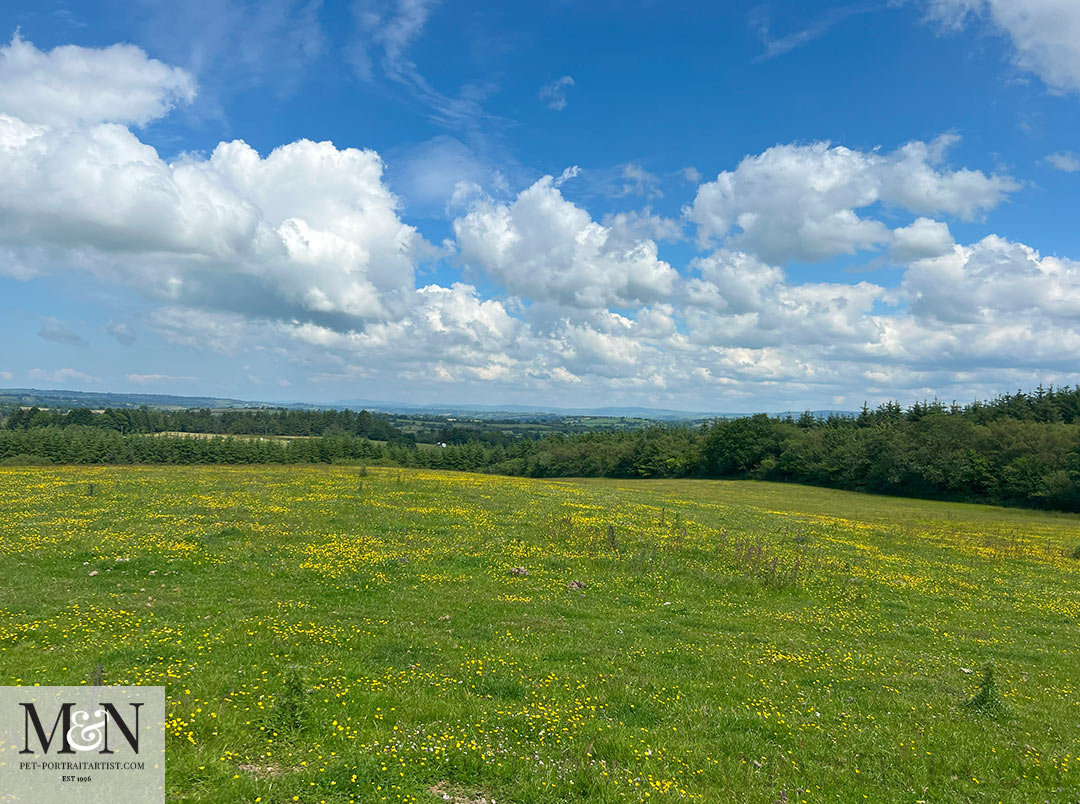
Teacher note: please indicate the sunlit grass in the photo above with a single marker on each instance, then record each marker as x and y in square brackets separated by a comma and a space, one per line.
[330, 637]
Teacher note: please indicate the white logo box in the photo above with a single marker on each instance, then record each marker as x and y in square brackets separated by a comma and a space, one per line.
[82, 745]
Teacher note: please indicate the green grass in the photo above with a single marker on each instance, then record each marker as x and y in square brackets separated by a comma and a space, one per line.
[327, 637]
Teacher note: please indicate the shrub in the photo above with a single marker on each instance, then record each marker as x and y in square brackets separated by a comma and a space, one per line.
[25, 460]
[289, 711]
[987, 699]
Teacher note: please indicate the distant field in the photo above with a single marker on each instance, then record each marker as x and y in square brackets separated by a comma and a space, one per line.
[243, 436]
[257, 437]
[411, 636]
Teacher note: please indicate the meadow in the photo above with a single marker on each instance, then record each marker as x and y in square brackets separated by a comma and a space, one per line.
[336, 634]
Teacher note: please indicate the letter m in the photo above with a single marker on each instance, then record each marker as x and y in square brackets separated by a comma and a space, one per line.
[31, 717]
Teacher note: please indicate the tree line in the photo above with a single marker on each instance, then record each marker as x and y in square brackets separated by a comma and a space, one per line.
[1019, 449]
[263, 421]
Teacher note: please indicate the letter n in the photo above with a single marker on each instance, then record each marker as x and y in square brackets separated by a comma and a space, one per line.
[111, 715]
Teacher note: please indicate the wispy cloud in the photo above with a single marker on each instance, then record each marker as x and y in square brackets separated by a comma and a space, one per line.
[61, 376]
[391, 27]
[569, 173]
[691, 174]
[123, 334]
[639, 181]
[55, 331]
[150, 379]
[778, 46]
[1064, 160]
[231, 44]
[554, 94]
[385, 32]
[643, 223]
[619, 181]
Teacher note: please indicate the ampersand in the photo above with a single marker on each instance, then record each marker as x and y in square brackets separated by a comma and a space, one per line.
[91, 732]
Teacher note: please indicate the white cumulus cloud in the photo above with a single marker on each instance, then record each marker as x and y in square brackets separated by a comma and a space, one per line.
[72, 85]
[743, 302]
[541, 246]
[309, 227]
[1045, 33]
[300, 256]
[803, 201]
[923, 238]
[995, 280]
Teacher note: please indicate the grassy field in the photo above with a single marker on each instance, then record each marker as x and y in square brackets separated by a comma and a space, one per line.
[256, 437]
[240, 436]
[415, 636]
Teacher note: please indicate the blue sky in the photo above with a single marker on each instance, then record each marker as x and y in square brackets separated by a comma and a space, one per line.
[721, 206]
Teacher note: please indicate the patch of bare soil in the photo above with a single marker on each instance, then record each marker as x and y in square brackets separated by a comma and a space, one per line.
[266, 771]
[451, 795]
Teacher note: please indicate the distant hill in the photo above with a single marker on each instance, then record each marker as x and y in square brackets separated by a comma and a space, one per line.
[500, 411]
[94, 399]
